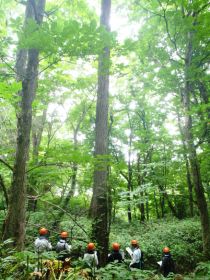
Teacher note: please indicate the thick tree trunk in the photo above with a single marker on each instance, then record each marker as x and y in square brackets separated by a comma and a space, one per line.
[194, 163]
[100, 187]
[188, 175]
[15, 221]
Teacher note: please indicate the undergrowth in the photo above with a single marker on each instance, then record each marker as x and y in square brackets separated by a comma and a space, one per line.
[183, 237]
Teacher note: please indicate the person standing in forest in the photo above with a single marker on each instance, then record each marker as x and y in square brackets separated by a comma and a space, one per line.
[42, 243]
[90, 257]
[167, 263]
[116, 255]
[135, 254]
[63, 248]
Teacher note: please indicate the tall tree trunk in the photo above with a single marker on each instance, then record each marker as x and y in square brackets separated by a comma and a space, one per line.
[37, 130]
[129, 184]
[100, 187]
[162, 204]
[188, 175]
[147, 206]
[194, 163]
[205, 98]
[15, 221]
[38, 123]
[2, 185]
[139, 179]
[156, 206]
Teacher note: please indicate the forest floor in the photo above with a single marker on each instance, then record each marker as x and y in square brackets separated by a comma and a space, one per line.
[183, 237]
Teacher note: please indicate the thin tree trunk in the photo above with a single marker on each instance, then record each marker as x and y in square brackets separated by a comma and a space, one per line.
[162, 204]
[147, 206]
[141, 204]
[38, 123]
[2, 185]
[100, 187]
[205, 98]
[15, 221]
[37, 130]
[156, 206]
[129, 184]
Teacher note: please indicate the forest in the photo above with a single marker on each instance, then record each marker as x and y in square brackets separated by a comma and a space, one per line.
[105, 137]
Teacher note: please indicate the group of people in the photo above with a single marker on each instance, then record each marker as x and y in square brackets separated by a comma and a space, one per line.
[90, 257]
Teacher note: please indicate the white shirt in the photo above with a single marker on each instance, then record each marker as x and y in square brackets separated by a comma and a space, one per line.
[135, 256]
[91, 259]
[42, 244]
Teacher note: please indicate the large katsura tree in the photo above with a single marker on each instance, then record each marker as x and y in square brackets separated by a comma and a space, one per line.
[99, 205]
[27, 72]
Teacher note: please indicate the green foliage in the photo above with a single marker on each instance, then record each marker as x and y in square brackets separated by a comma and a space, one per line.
[183, 237]
[71, 38]
[121, 271]
[15, 265]
[203, 269]
[8, 91]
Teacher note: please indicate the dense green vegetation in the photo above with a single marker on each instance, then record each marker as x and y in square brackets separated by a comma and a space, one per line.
[105, 132]
[183, 236]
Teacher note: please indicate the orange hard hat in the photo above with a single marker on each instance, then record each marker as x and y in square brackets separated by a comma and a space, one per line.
[115, 246]
[64, 234]
[166, 250]
[134, 242]
[43, 231]
[91, 246]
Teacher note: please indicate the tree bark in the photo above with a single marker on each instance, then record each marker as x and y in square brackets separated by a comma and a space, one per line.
[15, 221]
[37, 130]
[188, 175]
[2, 185]
[140, 182]
[38, 123]
[205, 99]
[130, 173]
[100, 187]
[156, 206]
[194, 163]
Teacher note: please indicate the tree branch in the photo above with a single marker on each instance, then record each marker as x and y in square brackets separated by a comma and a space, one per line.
[2, 184]
[203, 8]
[167, 30]
[149, 11]
[6, 164]
[68, 214]
[60, 164]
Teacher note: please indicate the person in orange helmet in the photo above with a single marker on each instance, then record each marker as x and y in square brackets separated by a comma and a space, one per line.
[62, 247]
[167, 263]
[116, 255]
[90, 257]
[42, 243]
[135, 254]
